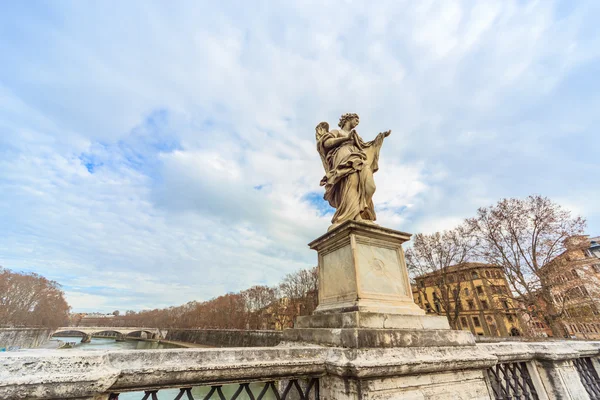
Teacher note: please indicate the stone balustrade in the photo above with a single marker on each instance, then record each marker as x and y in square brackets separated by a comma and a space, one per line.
[541, 370]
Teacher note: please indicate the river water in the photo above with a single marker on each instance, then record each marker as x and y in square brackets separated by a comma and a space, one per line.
[164, 394]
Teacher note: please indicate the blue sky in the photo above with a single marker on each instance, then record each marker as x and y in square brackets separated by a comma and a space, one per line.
[153, 153]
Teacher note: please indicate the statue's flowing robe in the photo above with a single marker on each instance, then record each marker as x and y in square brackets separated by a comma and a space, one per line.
[348, 180]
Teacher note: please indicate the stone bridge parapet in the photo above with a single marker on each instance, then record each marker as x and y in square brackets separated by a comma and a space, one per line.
[551, 370]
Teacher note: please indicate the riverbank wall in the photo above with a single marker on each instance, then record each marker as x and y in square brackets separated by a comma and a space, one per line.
[226, 337]
[24, 338]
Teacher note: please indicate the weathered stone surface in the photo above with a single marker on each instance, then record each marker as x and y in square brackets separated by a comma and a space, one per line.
[208, 366]
[226, 337]
[362, 268]
[461, 385]
[80, 374]
[346, 373]
[368, 338]
[561, 380]
[372, 320]
[553, 351]
[55, 374]
[25, 338]
[401, 361]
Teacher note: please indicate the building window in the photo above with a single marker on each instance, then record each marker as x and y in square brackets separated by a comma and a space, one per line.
[476, 322]
[574, 273]
[474, 275]
[509, 317]
[463, 322]
[577, 292]
[451, 278]
[487, 274]
[479, 290]
[559, 298]
[484, 304]
[471, 304]
[505, 304]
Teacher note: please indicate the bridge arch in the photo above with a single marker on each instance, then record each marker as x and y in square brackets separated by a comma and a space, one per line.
[85, 337]
[58, 332]
[149, 333]
[121, 332]
[87, 334]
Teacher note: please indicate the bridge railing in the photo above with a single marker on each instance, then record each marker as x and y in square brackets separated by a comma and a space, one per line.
[568, 370]
[292, 373]
[286, 389]
[531, 370]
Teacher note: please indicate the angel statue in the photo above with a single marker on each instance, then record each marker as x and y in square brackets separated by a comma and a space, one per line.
[349, 164]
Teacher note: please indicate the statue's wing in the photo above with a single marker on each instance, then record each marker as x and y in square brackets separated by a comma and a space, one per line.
[321, 131]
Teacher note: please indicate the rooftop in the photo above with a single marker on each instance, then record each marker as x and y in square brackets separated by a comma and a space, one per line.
[459, 267]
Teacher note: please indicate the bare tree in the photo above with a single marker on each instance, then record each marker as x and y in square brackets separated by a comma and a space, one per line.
[524, 236]
[257, 298]
[254, 308]
[31, 300]
[301, 291]
[432, 255]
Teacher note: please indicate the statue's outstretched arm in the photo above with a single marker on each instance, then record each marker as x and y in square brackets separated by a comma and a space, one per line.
[378, 139]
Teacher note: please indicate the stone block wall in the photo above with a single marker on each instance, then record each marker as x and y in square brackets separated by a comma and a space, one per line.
[24, 338]
[226, 337]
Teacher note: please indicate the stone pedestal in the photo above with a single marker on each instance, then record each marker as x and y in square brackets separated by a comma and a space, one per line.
[362, 268]
[356, 329]
[365, 300]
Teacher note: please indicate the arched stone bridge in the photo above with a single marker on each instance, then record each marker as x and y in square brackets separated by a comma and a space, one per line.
[122, 332]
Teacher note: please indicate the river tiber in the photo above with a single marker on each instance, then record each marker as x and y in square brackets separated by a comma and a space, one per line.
[371, 335]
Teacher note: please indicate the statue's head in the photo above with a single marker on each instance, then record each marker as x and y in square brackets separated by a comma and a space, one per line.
[350, 120]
